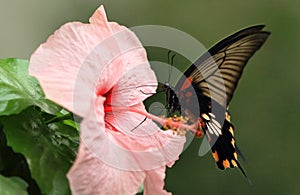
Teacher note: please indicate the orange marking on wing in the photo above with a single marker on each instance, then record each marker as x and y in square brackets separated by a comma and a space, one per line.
[215, 155]
[186, 83]
[226, 163]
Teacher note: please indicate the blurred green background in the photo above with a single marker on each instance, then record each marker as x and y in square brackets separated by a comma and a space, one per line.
[265, 108]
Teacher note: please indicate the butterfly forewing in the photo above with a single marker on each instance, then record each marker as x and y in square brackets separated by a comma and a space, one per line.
[218, 71]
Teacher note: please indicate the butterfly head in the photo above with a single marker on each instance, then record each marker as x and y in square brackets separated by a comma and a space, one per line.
[166, 86]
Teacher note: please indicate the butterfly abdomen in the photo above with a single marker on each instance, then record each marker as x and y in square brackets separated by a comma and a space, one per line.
[172, 101]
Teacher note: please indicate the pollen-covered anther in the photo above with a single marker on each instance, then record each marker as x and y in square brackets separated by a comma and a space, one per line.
[176, 124]
[199, 130]
[201, 123]
[199, 134]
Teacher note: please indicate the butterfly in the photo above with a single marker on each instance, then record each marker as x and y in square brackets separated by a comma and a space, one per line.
[206, 88]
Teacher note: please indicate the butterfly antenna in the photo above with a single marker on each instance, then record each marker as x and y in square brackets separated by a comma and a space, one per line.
[170, 61]
[139, 124]
[143, 91]
[169, 54]
[147, 93]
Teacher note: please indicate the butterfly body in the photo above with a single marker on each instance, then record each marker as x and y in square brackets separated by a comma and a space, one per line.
[205, 90]
[172, 100]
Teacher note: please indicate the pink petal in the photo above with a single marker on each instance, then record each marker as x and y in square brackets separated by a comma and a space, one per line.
[154, 182]
[89, 175]
[99, 18]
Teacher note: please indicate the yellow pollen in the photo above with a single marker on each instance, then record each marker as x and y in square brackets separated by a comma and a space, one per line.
[175, 124]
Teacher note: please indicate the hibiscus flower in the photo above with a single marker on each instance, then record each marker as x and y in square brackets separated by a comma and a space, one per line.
[100, 72]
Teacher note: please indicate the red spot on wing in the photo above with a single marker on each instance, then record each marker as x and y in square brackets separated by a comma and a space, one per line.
[188, 94]
[181, 95]
[186, 83]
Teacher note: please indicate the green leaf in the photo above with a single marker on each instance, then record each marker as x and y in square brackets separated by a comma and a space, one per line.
[12, 186]
[14, 164]
[49, 151]
[19, 90]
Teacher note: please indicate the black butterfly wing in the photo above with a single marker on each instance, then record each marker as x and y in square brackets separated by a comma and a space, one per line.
[212, 80]
[217, 72]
